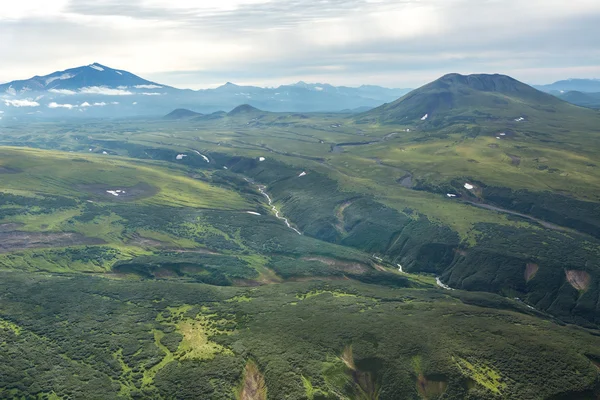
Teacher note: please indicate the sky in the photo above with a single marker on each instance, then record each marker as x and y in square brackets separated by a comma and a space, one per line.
[394, 43]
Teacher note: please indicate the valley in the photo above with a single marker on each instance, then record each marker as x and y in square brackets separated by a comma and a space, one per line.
[257, 255]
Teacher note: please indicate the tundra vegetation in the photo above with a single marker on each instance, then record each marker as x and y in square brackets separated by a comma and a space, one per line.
[142, 258]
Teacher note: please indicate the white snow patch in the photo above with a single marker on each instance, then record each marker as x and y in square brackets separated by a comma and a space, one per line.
[520, 119]
[318, 88]
[134, 103]
[400, 268]
[102, 104]
[91, 149]
[85, 104]
[115, 103]
[11, 91]
[104, 152]
[502, 134]
[261, 159]
[180, 156]
[377, 258]
[21, 103]
[498, 137]
[120, 73]
[468, 186]
[225, 167]
[202, 155]
[148, 87]
[252, 212]
[442, 284]
[302, 174]
[96, 67]
[451, 195]
[113, 192]
[425, 117]
[58, 78]
[151, 94]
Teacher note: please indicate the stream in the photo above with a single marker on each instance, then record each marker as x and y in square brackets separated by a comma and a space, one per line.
[263, 190]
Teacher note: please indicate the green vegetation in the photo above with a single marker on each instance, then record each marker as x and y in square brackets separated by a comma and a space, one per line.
[188, 283]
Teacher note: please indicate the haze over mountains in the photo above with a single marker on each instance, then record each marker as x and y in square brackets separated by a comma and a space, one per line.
[96, 90]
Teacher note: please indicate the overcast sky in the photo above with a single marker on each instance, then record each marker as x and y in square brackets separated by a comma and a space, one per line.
[394, 43]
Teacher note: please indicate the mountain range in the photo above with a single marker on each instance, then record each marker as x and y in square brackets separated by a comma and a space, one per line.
[99, 91]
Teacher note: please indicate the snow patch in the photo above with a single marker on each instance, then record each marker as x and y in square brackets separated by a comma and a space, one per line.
[202, 155]
[104, 152]
[520, 119]
[450, 195]
[113, 192]
[442, 284]
[96, 67]
[120, 73]
[252, 212]
[261, 159]
[468, 186]
[400, 268]
[180, 156]
[11, 91]
[151, 94]
[425, 117]
[502, 134]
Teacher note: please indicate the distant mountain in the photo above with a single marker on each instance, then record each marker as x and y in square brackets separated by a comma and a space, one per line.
[460, 97]
[96, 90]
[568, 85]
[92, 77]
[244, 109]
[182, 113]
[591, 100]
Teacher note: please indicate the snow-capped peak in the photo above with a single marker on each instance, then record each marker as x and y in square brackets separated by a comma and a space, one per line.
[96, 67]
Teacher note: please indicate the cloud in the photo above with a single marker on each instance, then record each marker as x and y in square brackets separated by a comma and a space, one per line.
[21, 103]
[391, 42]
[56, 105]
[102, 90]
[97, 90]
[148, 87]
[62, 91]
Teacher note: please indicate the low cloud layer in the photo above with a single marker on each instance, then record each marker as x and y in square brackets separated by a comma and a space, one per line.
[266, 42]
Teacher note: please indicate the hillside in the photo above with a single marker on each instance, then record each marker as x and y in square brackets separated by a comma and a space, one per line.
[182, 113]
[306, 255]
[456, 97]
[591, 100]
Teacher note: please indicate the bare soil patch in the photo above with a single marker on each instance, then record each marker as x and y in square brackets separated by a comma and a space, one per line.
[530, 270]
[17, 240]
[580, 280]
[340, 216]
[406, 181]
[127, 193]
[345, 266]
[515, 160]
[254, 386]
